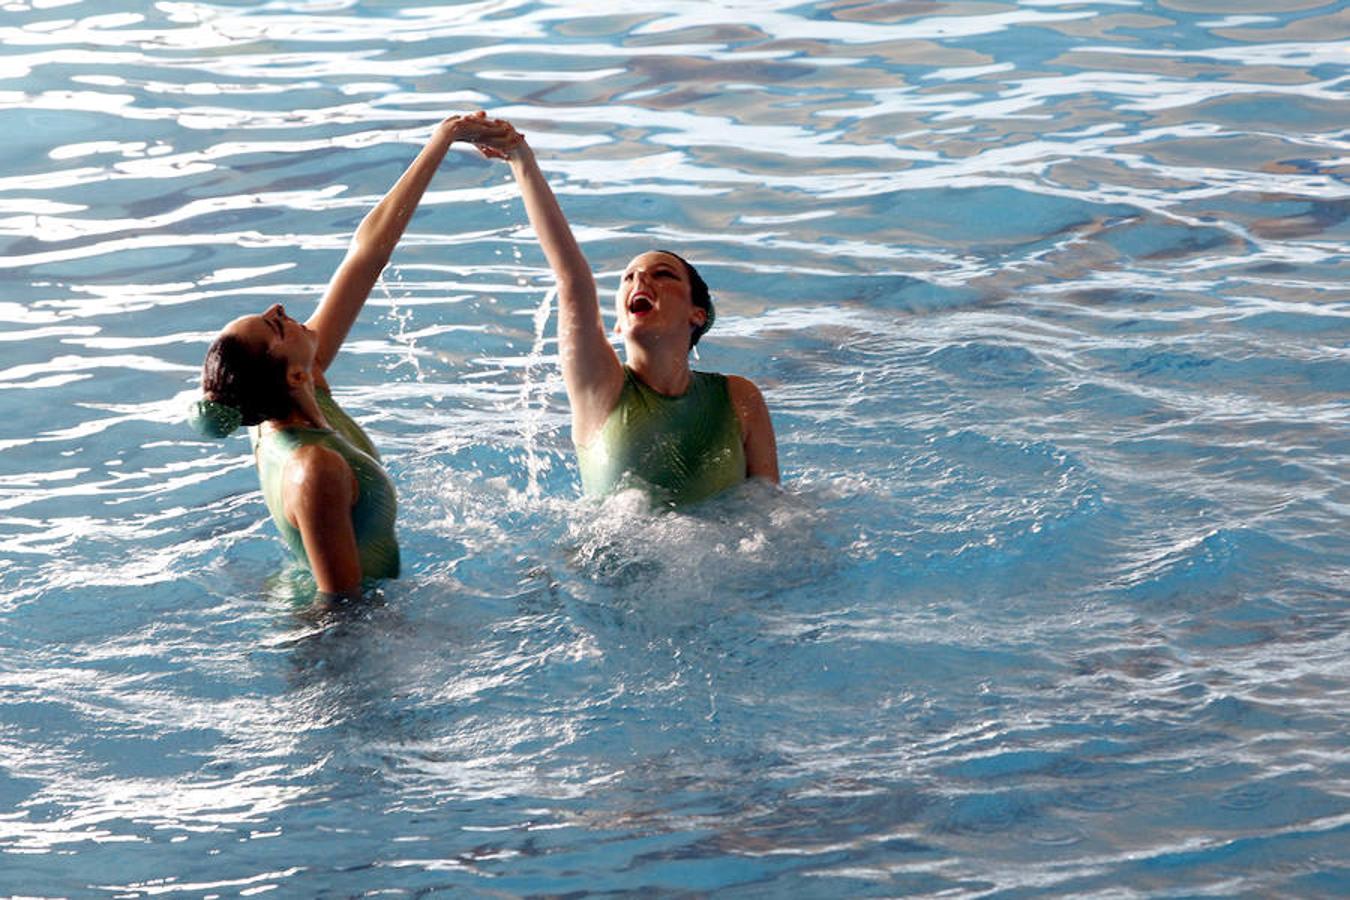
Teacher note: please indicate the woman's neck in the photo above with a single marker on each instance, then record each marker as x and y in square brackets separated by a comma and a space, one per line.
[305, 412]
[665, 373]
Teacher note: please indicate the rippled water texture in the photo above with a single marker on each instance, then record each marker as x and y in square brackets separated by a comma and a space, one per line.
[1048, 300]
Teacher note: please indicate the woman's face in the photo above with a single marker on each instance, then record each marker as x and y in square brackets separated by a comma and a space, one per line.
[654, 299]
[279, 335]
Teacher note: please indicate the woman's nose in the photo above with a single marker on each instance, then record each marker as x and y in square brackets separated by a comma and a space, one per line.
[275, 308]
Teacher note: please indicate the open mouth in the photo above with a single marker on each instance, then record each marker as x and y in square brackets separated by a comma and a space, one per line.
[639, 304]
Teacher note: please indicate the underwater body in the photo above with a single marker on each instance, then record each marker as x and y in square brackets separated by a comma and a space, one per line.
[1047, 300]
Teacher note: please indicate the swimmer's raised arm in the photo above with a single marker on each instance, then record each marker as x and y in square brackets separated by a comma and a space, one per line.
[686, 435]
[379, 232]
[591, 369]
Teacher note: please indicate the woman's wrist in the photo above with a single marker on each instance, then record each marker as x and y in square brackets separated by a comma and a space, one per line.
[454, 127]
[449, 131]
[520, 153]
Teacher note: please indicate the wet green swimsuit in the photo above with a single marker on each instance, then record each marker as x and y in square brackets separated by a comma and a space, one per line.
[376, 505]
[684, 448]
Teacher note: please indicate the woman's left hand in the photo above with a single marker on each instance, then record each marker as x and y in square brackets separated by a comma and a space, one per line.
[495, 138]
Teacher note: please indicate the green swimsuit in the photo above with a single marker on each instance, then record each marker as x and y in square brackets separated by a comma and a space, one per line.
[375, 507]
[686, 447]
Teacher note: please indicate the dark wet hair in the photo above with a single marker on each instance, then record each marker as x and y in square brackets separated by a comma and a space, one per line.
[698, 293]
[246, 377]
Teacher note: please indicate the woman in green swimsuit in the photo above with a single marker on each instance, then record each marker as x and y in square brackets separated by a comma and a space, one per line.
[322, 479]
[685, 434]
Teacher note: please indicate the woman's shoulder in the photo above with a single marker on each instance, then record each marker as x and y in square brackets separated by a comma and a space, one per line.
[739, 386]
[319, 473]
[746, 397]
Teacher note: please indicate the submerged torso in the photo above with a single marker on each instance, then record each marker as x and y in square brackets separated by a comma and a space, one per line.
[686, 447]
[376, 506]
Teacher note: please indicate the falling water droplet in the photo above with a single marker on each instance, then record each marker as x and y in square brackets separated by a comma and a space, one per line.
[533, 394]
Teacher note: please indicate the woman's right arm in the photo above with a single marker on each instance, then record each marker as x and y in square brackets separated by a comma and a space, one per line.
[591, 369]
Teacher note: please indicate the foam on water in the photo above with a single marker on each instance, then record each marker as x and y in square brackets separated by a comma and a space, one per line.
[1047, 301]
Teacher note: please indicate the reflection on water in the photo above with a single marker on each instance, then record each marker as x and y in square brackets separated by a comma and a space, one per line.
[1046, 300]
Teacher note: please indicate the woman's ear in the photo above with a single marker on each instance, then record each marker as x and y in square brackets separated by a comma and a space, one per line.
[296, 376]
[698, 317]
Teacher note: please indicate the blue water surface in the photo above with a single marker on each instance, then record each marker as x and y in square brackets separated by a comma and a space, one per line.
[1048, 302]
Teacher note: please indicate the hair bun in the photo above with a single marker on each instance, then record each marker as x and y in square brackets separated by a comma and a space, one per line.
[213, 419]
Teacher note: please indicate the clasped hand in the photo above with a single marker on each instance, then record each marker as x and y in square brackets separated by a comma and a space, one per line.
[494, 138]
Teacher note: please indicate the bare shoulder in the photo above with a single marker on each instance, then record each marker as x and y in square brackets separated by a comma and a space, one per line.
[761, 447]
[744, 393]
[317, 477]
[316, 459]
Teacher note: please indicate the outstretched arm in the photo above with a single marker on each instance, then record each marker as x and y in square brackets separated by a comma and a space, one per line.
[380, 231]
[591, 369]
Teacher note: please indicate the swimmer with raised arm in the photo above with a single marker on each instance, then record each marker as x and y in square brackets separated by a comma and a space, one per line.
[322, 479]
[686, 434]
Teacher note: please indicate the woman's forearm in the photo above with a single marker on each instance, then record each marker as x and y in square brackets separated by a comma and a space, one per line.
[373, 244]
[590, 367]
[381, 229]
[565, 258]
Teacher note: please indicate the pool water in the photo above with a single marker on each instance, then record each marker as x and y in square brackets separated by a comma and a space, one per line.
[1047, 300]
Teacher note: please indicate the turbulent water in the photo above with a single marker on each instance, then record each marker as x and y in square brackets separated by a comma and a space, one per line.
[1047, 300]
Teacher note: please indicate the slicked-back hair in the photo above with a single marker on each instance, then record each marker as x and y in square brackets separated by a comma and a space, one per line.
[250, 379]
